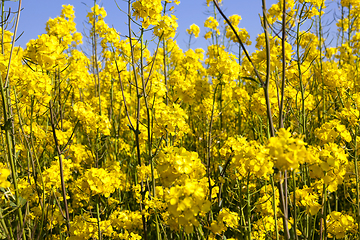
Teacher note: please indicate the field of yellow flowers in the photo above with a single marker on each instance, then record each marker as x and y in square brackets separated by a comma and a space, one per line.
[128, 141]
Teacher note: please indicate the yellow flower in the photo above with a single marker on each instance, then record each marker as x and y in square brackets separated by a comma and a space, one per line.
[194, 29]
[208, 2]
[4, 174]
[208, 35]
[166, 27]
[211, 23]
[242, 33]
[149, 11]
[339, 223]
[286, 151]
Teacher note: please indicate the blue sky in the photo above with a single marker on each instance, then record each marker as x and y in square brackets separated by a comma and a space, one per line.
[36, 13]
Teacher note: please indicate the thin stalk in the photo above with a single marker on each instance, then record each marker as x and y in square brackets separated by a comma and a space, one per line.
[283, 40]
[303, 114]
[308, 227]
[96, 67]
[7, 128]
[166, 85]
[165, 69]
[8, 122]
[209, 143]
[2, 26]
[11, 231]
[12, 44]
[148, 116]
[208, 152]
[323, 229]
[267, 81]
[357, 180]
[248, 206]
[239, 105]
[136, 131]
[240, 42]
[321, 67]
[294, 203]
[98, 217]
[63, 189]
[283, 203]
[242, 204]
[111, 111]
[274, 207]
[29, 148]
[282, 185]
[342, 24]
[350, 24]
[124, 98]
[4, 228]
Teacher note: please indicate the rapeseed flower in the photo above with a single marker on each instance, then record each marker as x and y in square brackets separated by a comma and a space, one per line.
[194, 29]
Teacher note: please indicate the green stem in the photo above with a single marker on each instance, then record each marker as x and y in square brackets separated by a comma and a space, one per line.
[8, 122]
[96, 67]
[267, 80]
[3, 226]
[321, 68]
[248, 206]
[302, 90]
[136, 131]
[323, 229]
[30, 148]
[283, 40]
[283, 202]
[357, 181]
[98, 217]
[7, 128]
[294, 204]
[274, 206]
[59, 153]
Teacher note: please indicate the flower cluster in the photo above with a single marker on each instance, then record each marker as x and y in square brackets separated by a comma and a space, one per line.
[46, 52]
[339, 224]
[242, 33]
[176, 165]
[150, 12]
[286, 151]
[132, 141]
[194, 29]
[186, 202]
[4, 174]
